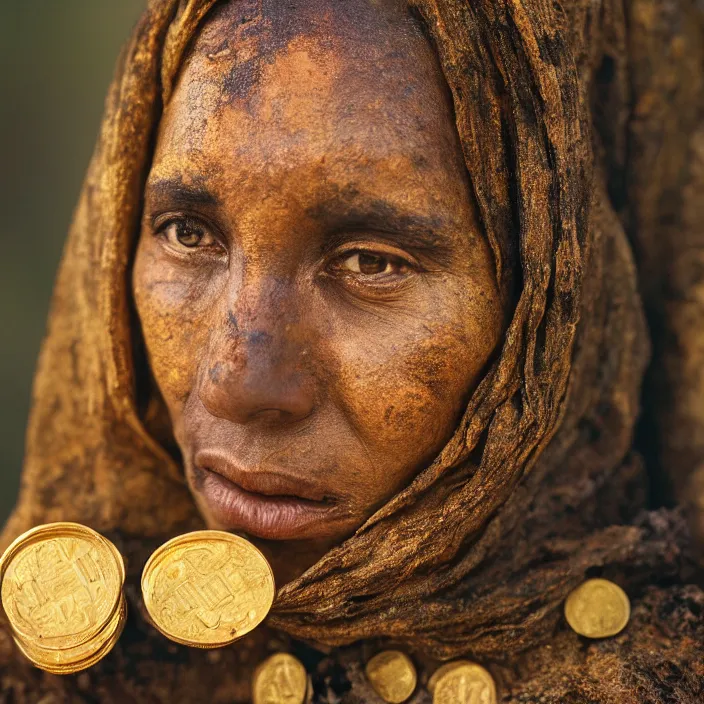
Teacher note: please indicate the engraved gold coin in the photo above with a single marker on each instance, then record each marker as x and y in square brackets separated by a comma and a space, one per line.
[208, 588]
[74, 660]
[280, 679]
[61, 583]
[462, 682]
[392, 675]
[597, 608]
[61, 588]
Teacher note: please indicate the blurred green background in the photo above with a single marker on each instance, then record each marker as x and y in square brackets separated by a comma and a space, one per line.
[56, 61]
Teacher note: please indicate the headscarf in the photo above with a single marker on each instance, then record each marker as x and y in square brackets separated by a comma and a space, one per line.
[537, 486]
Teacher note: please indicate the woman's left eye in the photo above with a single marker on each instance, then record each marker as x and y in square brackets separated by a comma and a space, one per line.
[187, 233]
[373, 264]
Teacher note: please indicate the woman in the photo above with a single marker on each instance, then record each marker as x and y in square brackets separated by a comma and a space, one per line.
[369, 260]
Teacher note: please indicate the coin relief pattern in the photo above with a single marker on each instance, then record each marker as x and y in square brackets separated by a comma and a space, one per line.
[598, 608]
[281, 679]
[392, 675]
[463, 683]
[72, 660]
[62, 593]
[59, 588]
[208, 590]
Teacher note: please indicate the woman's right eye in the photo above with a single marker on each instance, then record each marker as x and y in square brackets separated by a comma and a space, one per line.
[186, 233]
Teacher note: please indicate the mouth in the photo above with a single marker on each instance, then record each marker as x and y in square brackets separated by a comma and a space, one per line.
[264, 504]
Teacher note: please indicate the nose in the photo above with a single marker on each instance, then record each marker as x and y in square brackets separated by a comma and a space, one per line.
[257, 367]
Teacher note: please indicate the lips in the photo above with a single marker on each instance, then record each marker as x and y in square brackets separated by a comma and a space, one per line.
[268, 505]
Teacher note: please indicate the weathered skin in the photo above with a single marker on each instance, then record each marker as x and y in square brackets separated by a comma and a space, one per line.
[285, 151]
[580, 126]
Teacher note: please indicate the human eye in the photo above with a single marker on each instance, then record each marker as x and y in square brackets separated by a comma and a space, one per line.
[372, 267]
[185, 235]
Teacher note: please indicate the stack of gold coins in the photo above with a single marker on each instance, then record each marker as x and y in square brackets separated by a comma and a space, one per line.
[61, 588]
[207, 588]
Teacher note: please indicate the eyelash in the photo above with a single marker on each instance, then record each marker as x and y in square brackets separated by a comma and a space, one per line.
[377, 279]
[194, 226]
[365, 258]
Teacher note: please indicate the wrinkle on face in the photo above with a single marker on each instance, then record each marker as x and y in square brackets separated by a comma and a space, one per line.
[297, 130]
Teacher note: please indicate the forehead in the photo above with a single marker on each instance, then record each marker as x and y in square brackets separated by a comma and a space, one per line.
[351, 88]
[257, 29]
[285, 63]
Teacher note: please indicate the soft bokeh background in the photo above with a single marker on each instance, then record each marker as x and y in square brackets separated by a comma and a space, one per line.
[56, 61]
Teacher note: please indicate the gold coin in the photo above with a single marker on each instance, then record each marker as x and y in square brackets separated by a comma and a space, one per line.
[392, 675]
[61, 584]
[208, 588]
[74, 660]
[280, 679]
[443, 670]
[597, 609]
[462, 682]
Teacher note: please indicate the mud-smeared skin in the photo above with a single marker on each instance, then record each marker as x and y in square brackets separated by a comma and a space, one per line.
[581, 129]
[298, 138]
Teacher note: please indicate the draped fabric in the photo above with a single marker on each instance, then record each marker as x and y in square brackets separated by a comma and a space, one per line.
[539, 485]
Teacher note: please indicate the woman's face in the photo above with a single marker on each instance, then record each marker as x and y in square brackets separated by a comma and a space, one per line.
[316, 297]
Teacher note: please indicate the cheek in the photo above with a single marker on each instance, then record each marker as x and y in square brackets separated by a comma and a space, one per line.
[399, 393]
[430, 385]
[173, 310]
[405, 381]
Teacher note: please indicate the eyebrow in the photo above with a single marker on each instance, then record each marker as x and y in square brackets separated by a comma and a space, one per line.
[423, 233]
[174, 190]
[413, 230]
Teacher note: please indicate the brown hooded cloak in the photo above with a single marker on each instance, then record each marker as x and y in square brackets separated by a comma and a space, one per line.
[583, 133]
